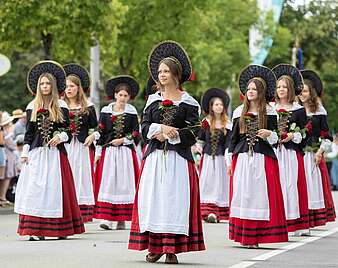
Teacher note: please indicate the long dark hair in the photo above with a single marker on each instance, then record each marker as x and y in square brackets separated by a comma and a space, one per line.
[313, 101]
[212, 117]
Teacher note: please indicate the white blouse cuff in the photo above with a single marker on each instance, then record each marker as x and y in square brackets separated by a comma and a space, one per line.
[25, 150]
[326, 145]
[63, 136]
[273, 138]
[127, 141]
[297, 137]
[96, 135]
[228, 157]
[154, 128]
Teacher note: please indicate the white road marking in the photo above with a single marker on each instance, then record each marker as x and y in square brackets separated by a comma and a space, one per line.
[265, 256]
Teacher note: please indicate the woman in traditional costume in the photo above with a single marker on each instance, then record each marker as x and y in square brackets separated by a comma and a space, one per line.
[45, 195]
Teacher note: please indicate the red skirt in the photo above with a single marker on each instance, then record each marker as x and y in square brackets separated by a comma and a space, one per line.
[71, 223]
[319, 217]
[251, 232]
[161, 243]
[222, 213]
[87, 211]
[108, 211]
[302, 222]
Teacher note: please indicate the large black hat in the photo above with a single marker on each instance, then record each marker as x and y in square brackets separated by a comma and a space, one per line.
[314, 77]
[150, 87]
[80, 72]
[291, 71]
[171, 50]
[113, 82]
[212, 93]
[262, 73]
[47, 66]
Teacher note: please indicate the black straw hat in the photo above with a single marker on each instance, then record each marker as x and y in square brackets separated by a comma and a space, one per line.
[113, 82]
[173, 51]
[314, 77]
[80, 72]
[291, 71]
[52, 67]
[263, 74]
[212, 93]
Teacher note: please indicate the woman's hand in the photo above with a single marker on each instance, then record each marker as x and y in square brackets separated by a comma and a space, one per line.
[229, 171]
[97, 159]
[89, 140]
[288, 138]
[169, 131]
[117, 142]
[159, 137]
[24, 160]
[54, 141]
[318, 157]
[264, 133]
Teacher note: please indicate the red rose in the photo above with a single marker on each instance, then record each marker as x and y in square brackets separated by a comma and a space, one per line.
[102, 126]
[241, 97]
[282, 111]
[308, 127]
[250, 115]
[205, 124]
[113, 118]
[71, 115]
[72, 127]
[167, 103]
[135, 133]
[42, 110]
[324, 133]
[284, 135]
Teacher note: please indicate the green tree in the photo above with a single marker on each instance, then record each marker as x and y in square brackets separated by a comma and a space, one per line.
[315, 26]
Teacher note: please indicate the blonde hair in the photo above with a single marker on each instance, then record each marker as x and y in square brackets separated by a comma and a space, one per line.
[262, 119]
[55, 113]
[212, 118]
[290, 86]
[80, 96]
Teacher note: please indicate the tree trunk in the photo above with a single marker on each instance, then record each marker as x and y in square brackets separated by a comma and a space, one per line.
[47, 44]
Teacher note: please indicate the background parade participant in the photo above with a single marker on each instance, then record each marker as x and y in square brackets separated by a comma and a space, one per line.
[117, 169]
[166, 216]
[289, 151]
[215, 134]
[256, 201]
[45, 195]
[321, 205]
[80, 151]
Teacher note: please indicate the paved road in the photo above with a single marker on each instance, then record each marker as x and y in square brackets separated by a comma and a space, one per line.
[98, 248]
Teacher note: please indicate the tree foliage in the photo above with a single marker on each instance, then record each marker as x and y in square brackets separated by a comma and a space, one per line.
[315, 26]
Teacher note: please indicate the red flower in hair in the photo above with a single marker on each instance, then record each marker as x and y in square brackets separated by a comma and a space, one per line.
[135, 133]
[308, 127]
[42, 110]
[113, 118]
[241, 97]
[71, 115]
[284, 135]
[167, 103]
[324, 133]
[205, 124]
[102, 126]
[72, 127]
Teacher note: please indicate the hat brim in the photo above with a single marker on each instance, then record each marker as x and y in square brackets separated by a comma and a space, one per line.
[80, 72]
[252, 71]
[47, 66]
[113, 82]
[167, 49]
[9, 120]
[213, 93]
[291, 71]
[150, 87]
[314, 77]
